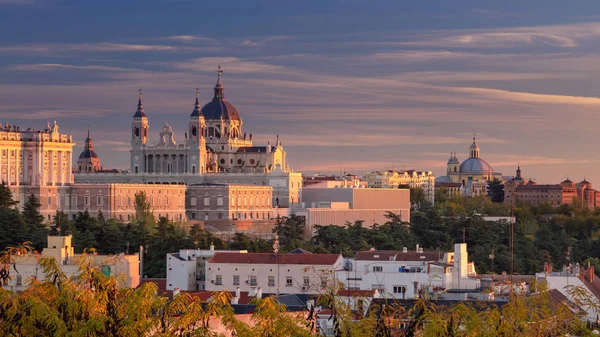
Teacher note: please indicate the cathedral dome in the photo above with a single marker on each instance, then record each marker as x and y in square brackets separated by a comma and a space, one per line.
[86, 154]
[475, 166]
[219, 108]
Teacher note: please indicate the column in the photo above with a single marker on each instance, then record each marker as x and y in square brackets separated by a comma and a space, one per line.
[8, 163]
[69, 167]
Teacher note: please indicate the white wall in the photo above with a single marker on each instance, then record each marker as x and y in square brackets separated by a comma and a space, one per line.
[562, 284]
[363, 276]
[262, 272]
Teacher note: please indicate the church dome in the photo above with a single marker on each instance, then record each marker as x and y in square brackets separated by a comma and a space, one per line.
[87, 154]
[475, 166]
[219, 108]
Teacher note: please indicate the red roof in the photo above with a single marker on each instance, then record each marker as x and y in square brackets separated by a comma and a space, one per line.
[205, 295]
[447, 184]
[161, 283]
[271, 258]
[356, 293]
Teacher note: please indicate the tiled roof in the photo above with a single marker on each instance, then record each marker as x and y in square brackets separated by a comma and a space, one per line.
[445, 184]
[254, 149]
[161, 283]
[270, 258]
[385, 255]
[536, 187]
[356, 293]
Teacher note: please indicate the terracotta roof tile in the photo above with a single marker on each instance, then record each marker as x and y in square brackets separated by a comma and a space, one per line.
[270, 258]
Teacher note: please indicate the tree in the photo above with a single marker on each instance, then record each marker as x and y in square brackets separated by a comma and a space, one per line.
[290, 231]
[34, 223]
[6, 197]
[496, 190]
[143, 211]
[441, 195]
[417, 197]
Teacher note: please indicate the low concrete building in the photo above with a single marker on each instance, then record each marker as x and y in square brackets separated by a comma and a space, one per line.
[403, 274]
[61, 249]
[272, 273]
[324, 205]
[574, 277]
[186, 270]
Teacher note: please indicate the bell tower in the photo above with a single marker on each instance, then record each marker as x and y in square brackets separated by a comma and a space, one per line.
[139, 137]
[196, 141]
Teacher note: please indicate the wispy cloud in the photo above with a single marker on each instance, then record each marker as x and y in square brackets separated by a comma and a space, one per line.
[233, 64]
[61, 48]
[17, 2]
[192, 38]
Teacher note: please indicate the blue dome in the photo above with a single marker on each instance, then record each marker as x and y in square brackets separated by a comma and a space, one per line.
[220, 108]
[88, 154]
[475, 166]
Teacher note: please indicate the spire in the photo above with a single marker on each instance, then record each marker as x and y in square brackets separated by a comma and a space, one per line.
[140, 108]
[88, 142]
[474, 149]
[518, 177]
[219, 86]
[197, 111]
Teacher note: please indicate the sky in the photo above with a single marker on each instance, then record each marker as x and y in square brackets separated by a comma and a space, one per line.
[350, 86]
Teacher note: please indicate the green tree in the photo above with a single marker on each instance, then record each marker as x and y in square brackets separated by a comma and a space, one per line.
[143, 211]
[496, 190]
[36, 230]
[290, 231]
[417, 197]
[6, 197]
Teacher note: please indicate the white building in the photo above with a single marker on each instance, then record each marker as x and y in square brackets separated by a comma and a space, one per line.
[402, 274]
[272, 273]
[411, 178]
[579, 277]
[186, 270]
[61, 249]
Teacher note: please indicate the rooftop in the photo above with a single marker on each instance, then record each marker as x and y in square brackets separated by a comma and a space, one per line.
[271, 258]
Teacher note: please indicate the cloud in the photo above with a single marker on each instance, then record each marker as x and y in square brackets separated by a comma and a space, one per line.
[17, 2]
[233, 64]
[192, 38]
[55, 66]
[264, 40]
[528, 97]
[61, 48]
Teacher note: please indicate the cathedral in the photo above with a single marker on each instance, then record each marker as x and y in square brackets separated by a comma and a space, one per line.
[214, 143]
[472, 174]
[214, 149]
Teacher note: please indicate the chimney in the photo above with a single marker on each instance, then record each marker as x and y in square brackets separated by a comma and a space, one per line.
[259, 292]
[237, 292]
[591, 274]
[417, 249]
[404, 250]
[252, 292]
[175, 292]
[212, 247]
